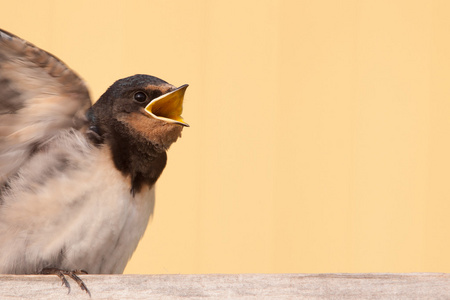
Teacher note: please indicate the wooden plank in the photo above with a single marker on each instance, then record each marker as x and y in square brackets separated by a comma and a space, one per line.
[239, 286]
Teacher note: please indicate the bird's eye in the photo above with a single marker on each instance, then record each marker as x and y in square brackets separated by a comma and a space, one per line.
[140, 97]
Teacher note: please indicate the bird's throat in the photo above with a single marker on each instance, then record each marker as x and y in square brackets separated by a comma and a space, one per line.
[136, 157]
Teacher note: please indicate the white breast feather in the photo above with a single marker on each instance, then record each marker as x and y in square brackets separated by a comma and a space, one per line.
[82, 218]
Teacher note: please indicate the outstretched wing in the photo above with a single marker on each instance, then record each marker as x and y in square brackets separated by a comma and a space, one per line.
[39, 95]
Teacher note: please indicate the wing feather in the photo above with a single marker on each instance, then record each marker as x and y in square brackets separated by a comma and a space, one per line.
[39, 96]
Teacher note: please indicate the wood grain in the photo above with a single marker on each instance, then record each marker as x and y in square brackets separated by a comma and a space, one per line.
[239, 286]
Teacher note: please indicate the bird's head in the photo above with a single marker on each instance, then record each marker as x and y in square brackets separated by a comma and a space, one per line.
[138, 117]
[141, 105]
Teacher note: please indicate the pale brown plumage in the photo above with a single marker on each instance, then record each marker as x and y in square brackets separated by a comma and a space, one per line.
[35, 87]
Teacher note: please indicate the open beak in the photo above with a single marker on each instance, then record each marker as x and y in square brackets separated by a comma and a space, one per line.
[168, 107]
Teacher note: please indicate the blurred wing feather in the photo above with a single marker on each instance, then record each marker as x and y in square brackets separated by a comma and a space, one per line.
[39, 95]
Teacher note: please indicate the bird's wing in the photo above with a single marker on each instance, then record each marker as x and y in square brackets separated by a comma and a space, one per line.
[39, 95]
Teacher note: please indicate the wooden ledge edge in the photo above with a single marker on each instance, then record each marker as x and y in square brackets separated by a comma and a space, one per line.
[233, 286]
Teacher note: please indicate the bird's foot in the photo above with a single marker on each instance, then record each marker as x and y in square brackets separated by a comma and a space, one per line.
[72, 274]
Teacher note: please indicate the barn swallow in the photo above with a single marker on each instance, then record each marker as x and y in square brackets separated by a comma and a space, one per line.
[77, 180]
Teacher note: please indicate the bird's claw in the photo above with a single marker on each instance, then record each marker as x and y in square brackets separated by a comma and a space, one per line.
[72, 274]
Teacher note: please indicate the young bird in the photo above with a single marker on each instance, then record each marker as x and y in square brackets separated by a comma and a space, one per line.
[77, 182]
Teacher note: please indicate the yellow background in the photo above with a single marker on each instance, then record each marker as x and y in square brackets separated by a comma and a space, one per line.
[319, 138]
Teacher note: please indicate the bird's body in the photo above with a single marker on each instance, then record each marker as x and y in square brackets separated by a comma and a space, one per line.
[76, 183]
[61, 217]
